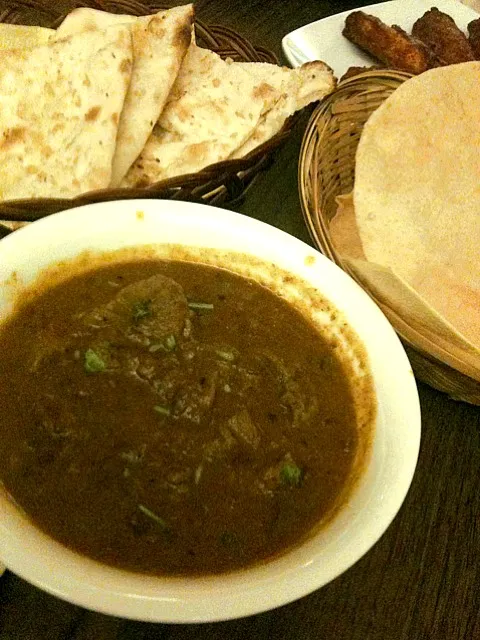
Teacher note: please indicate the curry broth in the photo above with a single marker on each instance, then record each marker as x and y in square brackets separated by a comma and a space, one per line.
[170, 417]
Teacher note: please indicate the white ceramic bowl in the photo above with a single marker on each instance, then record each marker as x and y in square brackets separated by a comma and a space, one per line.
[371, 508]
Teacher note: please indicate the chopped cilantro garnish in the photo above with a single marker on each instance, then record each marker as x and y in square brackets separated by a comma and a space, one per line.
[200, 306]
[93, 362]
[164, 411]
[291, 474]
[170, 343]
[153, 516]
[141, 309]
[228, 356]
[156, 347]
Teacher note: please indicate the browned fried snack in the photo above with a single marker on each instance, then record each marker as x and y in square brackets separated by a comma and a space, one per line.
[474, 37]
[354, 71]
[394, 47]
[439, 32]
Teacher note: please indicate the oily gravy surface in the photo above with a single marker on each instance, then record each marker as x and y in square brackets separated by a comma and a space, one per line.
[171, 417]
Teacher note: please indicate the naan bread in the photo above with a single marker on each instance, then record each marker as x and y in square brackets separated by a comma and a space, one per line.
[160, 43]
[296, 89]
[214, 109]
[59, 114]
[417, 194]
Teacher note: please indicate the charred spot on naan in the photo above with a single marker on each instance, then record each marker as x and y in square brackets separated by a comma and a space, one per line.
[184, 36]
[12, 136]
[182, 113]
[142, 32]
[157, 131]
[93, 113]
[59, 126]
[263, 91]
[195, 151]
[126, 66]
[47, 151]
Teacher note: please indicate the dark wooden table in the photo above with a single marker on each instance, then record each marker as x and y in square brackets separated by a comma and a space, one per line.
[422, 579]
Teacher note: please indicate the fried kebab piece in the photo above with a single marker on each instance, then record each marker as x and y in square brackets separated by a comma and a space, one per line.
[393, 46]
[474, 37]
[439, 32]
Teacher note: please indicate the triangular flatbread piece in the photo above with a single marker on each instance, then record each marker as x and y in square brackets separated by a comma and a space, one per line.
[295, 88]
[160, 43]
[215, 107]
[61, 103]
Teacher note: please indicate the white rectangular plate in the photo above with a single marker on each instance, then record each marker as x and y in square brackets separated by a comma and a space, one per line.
[323, 39]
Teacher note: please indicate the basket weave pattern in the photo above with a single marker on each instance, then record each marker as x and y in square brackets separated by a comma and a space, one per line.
[327, 169]
[221, 183]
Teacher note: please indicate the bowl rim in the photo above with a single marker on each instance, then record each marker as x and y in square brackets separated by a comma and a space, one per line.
[61, 572]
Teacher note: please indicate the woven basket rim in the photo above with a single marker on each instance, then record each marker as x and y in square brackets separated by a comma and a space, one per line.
[223, 181]
[466, 385]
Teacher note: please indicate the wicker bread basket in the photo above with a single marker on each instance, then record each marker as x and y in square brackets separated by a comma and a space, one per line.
[221, 183]
[326, 169]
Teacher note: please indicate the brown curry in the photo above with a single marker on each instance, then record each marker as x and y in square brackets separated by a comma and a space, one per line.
[170, 417]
